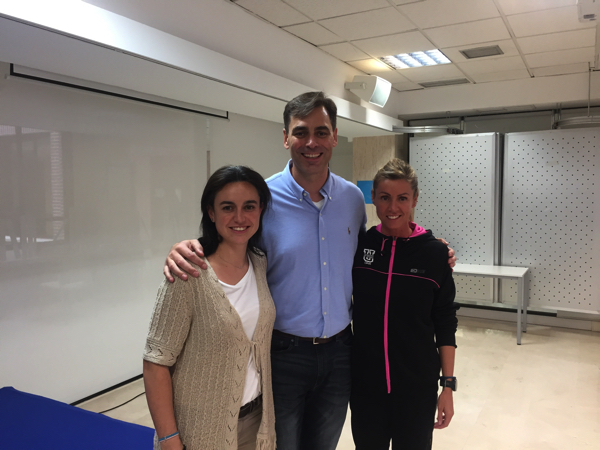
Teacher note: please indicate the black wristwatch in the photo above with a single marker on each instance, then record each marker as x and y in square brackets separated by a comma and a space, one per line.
[450, 382]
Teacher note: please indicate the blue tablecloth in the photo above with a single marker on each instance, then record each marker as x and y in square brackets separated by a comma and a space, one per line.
[31, 422]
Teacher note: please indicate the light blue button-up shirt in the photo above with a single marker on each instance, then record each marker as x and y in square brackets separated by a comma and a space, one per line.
[310, 254]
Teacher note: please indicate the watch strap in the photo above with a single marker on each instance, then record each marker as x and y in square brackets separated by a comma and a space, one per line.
[448, 382]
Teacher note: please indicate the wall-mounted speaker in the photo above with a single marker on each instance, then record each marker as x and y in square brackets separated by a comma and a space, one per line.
[370, 88]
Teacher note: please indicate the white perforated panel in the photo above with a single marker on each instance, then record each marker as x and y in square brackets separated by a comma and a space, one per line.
[551, 208]
[457, 184]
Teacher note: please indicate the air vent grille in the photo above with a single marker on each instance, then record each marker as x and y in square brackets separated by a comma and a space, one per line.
[481, 52]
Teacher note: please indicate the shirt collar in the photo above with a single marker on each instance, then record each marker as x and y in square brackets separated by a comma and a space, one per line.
[298, 191]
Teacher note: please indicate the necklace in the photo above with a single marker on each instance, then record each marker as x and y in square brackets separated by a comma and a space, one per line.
[237, 267]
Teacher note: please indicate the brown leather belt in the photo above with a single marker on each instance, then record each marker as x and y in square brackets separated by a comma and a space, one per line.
[250, 406]
[315, 340]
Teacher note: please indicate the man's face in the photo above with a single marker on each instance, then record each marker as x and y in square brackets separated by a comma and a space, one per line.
[310, 141]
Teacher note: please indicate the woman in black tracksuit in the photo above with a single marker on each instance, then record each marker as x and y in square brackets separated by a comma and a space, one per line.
[404, 323]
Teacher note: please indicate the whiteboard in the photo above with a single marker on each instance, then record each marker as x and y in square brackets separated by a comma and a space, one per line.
[94, 190]
[459, 200]
[551, 212]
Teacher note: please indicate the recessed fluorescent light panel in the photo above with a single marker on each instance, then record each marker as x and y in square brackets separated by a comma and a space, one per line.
[416, 59]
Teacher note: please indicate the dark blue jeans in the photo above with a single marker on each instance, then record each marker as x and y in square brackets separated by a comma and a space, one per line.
[311, 389]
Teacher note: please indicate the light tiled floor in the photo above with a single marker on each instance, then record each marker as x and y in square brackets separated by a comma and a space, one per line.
[541, 395]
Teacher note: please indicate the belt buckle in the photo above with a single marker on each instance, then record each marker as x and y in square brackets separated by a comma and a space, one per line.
[314, 341]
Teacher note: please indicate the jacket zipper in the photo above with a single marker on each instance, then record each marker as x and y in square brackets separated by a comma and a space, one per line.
[385, 318]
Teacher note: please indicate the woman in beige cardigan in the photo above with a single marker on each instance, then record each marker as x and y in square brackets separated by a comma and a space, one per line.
[207, 365]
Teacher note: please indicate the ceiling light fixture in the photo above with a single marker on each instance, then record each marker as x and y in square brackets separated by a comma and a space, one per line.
[416, 59]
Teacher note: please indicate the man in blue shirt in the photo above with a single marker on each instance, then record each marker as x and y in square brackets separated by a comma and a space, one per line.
[310, 236]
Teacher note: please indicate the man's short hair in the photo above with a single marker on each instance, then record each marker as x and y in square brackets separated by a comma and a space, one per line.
[304, 104]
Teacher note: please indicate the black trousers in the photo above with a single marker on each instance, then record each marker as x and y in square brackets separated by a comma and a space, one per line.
[405, 418]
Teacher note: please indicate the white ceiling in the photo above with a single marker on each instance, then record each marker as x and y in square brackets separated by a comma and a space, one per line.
[542, 40]
[538, 37]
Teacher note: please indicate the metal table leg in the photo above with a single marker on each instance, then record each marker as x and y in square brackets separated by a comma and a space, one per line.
[525, 302]
[520, 308]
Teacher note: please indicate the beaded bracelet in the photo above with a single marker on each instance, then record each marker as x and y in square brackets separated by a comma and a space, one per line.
[169, 437]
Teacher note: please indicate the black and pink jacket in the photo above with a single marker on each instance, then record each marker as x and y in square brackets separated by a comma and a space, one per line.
[403, 310]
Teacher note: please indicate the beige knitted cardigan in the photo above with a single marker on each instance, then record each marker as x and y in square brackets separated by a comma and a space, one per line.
[196, 331]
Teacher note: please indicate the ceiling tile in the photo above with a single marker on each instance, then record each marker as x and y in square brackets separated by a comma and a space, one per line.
[274, 11]
[548, 21]
[393, 76]
[370, 66]
[558, 41]
[561, 57]
[368, 24]
[559, 70]
[490, 65]
[437, 13]
[412, 41]
[334, 8]
[407, 86]
[507, 46]
[432, 73]
[501, 76]
[386, 73]
[510, 7]
[344, 51]
[313, 33]
[469, 33]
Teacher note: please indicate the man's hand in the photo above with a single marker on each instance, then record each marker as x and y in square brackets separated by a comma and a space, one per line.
[179, 258]
[445, 409]
[451, 257]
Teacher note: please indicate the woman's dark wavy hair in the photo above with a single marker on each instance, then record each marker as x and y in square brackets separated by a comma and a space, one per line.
[210, 238]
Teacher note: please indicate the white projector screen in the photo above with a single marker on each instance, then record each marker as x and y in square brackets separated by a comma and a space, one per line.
[94, 190]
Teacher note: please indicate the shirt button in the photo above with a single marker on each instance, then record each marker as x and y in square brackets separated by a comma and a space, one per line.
[325, 313]
[324, 289]
[324, 263]
[322, 238]
[304, 194]
[325, 336]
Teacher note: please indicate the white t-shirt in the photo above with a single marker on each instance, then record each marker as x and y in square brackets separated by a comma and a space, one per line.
[244, 298]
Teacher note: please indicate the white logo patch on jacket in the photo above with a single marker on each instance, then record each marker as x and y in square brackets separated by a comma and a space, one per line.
[368, 256]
